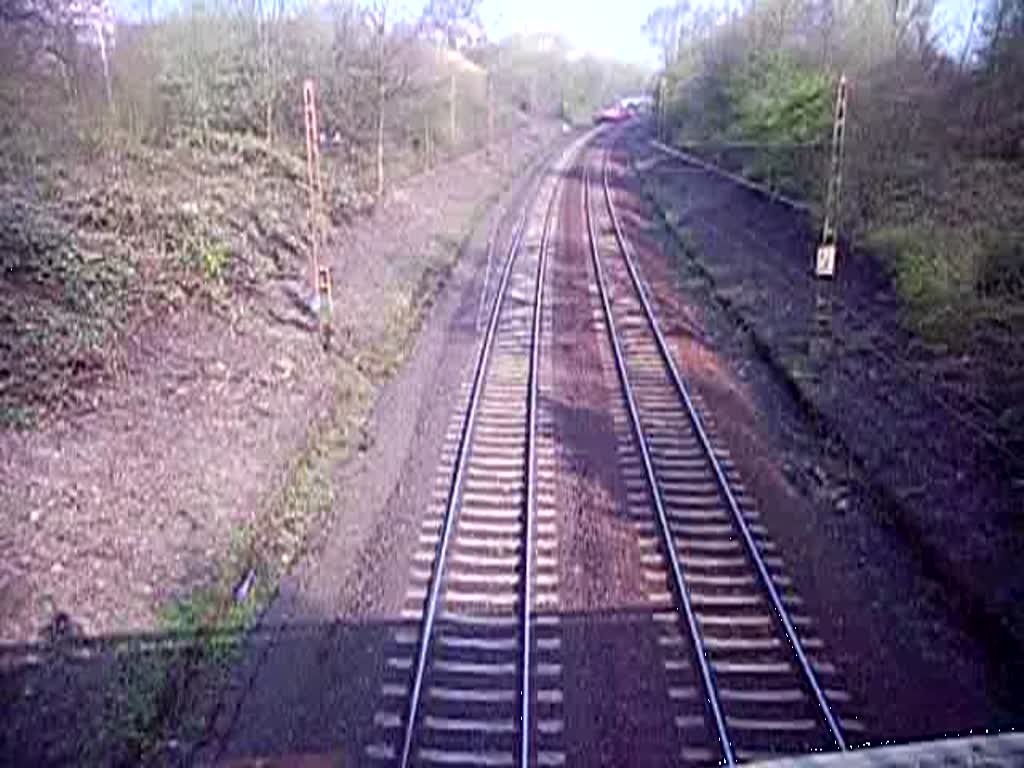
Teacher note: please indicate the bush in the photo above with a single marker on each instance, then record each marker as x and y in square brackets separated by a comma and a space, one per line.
[766, 114]
[934, 269]
[776, 99]
[1002, 270]
[956, 282]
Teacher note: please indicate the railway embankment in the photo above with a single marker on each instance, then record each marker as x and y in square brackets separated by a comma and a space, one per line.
[900, 413]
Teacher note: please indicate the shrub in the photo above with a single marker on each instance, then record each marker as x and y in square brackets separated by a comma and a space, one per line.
[777, 99]
[934, 269]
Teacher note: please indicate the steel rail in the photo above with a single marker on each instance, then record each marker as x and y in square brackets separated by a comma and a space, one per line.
[531, 482]
[455, 489]
[722, 481]
[455, 492]
[706, 672]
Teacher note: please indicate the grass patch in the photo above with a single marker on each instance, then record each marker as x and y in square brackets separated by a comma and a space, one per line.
[198, 638]
[963, 291]
[209, 258]
[935, 270]
[165, 693]
[90, 242]
[17, 417]
[60, 301]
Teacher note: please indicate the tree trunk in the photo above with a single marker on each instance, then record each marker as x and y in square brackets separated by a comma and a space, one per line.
[101, 38]
[451, 99]
[269, 84]
[381, 98]
[490, 111]
[965, 52]
[380, 144]
[426, 140]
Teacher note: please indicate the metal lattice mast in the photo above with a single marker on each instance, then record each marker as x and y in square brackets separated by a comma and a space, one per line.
[313, 180]
[826, 260]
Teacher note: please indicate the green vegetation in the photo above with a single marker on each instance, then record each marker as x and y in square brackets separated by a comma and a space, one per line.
[196, 639]
[934, 164]
[536, 73]
[211, 259]
[162, 687]
[96, 245]
[774, 98]
[932, 267]
[16, 417]
[61, 297]
[178, 173]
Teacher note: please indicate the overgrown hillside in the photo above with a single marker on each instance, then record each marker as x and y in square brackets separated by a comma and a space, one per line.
[933, 180]
[91, 249]
[150, 162]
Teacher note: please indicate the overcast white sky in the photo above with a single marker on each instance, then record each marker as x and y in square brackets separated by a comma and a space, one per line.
[606, 27]
[613, 27]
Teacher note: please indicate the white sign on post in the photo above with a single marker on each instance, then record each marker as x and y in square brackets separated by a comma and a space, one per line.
[825, 265]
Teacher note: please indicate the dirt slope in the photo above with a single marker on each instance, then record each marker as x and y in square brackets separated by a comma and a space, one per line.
[113, 512]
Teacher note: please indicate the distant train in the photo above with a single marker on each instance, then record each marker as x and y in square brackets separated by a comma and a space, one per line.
[623, 109]
[612, 114]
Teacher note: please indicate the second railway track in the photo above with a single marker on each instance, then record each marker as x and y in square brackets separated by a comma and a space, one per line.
[756, 681]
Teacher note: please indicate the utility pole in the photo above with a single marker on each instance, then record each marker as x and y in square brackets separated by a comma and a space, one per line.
[825, 263]
[821, 340]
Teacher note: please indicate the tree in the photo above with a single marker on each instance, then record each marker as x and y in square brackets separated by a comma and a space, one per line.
[390, 70]
[540, 74]
[1004, 30]
[56, 31]
[456, 21]
[664, 28]
[268, 15]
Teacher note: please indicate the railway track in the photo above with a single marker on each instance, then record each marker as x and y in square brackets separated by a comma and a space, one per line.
[476, 675]
[479, 651]
[754, 679]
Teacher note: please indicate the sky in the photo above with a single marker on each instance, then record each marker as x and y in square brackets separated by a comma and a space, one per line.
[606, 27]
[610, 28]
[614, 27]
